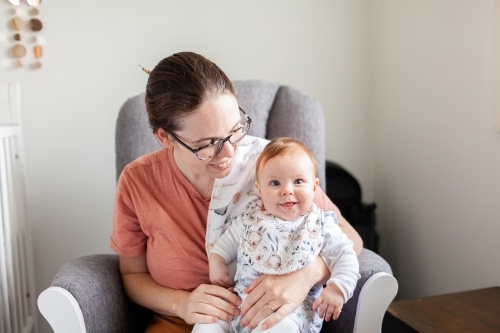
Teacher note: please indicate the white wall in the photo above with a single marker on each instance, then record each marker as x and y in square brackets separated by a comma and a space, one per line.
[407, 88]
[437, 165]
[92, 50]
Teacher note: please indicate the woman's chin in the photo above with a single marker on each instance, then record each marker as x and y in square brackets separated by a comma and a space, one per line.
[219, 172]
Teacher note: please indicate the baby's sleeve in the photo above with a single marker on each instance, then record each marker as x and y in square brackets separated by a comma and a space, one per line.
[338, 254]
[227, 244]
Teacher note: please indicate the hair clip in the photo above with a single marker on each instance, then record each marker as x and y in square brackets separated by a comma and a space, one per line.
[147, 70]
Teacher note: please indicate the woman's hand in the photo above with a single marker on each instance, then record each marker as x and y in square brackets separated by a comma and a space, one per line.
[279, 295]
[203, 305]
[207, 304]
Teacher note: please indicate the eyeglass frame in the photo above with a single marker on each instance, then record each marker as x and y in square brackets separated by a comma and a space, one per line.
[221, 142]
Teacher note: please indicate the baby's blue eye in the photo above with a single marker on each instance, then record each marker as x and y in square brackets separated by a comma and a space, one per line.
[298, 181]
[274, 183]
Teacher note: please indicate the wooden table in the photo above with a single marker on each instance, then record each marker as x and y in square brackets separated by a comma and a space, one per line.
[469, 311]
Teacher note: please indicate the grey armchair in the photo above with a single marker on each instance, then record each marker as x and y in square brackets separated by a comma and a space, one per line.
[87, 295]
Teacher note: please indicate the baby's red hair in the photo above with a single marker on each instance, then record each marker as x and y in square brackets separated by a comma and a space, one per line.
[280, 147]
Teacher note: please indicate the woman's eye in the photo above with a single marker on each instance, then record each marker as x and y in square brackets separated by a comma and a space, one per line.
[200, 146]
[206, 143]
[298, 181]
[274, 183]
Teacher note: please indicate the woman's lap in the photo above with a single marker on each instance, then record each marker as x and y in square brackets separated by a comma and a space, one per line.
[168, 324]
[287, 325]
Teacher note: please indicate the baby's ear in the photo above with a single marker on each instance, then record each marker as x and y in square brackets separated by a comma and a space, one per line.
[316, 183]
[257, 186]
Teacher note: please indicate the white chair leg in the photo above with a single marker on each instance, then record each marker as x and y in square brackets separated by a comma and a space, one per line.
[61, 310]
[374, 299]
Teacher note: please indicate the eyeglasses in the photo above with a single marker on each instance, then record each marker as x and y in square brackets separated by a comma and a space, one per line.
[214, 147]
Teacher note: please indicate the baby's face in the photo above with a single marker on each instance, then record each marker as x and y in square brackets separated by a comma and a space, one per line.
[287, 184]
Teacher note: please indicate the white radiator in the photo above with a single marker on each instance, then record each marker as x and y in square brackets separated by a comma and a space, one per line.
[17, 294]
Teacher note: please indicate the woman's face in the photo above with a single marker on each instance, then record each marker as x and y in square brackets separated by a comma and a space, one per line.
[213, 120]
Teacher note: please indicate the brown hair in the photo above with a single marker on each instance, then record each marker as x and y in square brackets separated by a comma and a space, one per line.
[280, 147]
[178, 85]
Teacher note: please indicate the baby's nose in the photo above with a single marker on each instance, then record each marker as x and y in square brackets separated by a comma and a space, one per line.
[287, 190]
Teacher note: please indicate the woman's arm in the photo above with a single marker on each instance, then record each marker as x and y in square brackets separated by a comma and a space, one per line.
[324, 202]
[281, 293]
[205, 304]
[357, 241]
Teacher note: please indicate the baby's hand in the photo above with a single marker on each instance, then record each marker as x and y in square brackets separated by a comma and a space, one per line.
[330, 302]
[219, 274]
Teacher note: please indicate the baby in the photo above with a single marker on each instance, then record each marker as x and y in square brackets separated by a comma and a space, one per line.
[282, 232]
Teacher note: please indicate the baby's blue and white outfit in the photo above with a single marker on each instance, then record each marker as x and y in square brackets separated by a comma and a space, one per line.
[233, 197]
[264, 244]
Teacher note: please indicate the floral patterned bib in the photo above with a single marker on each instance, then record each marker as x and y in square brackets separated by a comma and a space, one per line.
[271, 245]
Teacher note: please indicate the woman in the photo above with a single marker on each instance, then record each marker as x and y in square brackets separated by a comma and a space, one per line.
[160, 227]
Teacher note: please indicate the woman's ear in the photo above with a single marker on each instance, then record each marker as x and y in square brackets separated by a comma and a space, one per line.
[163, 138]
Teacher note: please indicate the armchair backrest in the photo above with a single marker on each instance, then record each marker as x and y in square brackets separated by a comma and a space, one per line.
[275, 111]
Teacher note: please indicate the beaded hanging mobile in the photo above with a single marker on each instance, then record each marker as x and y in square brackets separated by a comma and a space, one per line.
[25, 26]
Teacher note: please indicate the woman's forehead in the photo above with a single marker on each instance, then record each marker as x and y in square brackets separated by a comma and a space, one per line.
[213, 118]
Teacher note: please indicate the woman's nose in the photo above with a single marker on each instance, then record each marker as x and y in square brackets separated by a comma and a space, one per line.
[227, 150]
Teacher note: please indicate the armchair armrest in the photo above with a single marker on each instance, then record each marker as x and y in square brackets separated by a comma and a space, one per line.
[95, 293]
[375, 289]
[87, 296]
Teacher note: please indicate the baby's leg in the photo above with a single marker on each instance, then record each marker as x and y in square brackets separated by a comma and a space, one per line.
[286, 325]
[219, 327]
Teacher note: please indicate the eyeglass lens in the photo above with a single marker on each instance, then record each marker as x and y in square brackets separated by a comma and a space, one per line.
[214, 149]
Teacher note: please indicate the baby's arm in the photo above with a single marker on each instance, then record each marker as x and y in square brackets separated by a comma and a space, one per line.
[224, 251]
[339, 256]
[219, 274]
[330, 302]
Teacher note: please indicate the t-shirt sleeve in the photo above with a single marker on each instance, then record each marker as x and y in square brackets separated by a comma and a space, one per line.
[323, 202]
[127, 237]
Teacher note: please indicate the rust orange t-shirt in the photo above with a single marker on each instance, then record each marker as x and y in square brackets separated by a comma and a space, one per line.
[158, 211]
